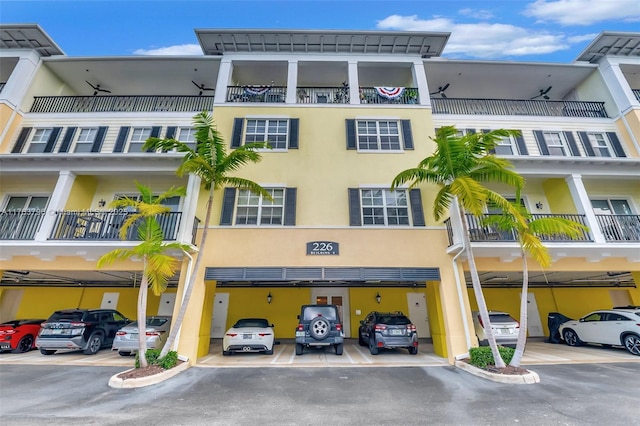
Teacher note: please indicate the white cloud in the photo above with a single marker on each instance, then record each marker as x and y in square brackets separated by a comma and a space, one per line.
[482, 40]
[476, 13]
[584, 12]
[180, 49]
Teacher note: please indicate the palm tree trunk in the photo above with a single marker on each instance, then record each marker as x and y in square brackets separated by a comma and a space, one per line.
[477, 290]
[522, 333]
[175, 327]
[142, 317]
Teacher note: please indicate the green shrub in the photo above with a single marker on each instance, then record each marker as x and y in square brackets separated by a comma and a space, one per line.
[169, 361]
[482, 357]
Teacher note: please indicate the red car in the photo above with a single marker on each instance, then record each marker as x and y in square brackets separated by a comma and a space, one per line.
[19, 335]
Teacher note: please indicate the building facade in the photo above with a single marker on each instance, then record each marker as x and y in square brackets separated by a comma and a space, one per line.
[345, 112]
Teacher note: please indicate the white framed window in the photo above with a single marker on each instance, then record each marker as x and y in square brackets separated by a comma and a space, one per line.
[254, 209]
[384, 207]
[506, 146]
[600, 144]
[378, 135]
[275, 131]
[26, 203]
[172, 202]
[139, 136]
[39, 140]
[86, 138]
[187, 135]
[556, 143]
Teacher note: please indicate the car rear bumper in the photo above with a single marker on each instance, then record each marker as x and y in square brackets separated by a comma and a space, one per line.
[5, 346]
[396, 342]
[132, 345]
[247, 348]
[310, 341]
[57, 343]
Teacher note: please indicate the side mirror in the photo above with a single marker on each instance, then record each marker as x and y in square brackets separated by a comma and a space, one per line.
[271, 325]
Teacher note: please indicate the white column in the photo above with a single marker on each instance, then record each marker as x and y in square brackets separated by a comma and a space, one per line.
[224, 78]
[420, 77]
[292, 82]
[57, 202]
[20, 79]
[615, 80]
[583, 205]
[354, 83]
[189, 208]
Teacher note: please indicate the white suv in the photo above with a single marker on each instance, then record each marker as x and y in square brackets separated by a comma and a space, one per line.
[607, 327]
[505, 328]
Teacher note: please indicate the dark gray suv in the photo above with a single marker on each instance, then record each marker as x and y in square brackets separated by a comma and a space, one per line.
[380, 330]
[319, 325]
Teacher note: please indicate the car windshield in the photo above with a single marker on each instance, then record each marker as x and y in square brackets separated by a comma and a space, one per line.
[394, 320]
[500, 318]
[251, 322]
[151, 322]
[329, 312]
[66, 316]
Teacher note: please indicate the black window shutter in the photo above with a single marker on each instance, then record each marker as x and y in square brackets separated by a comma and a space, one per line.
[228, 204]
[155, 132]
[68, 137]
[407, 136]
[573, 147]
[236, 139]
[471, 131]
[355, 214]
[53, 138]
[290, 206]
[492, 150]
[588, 148]
[615, 142]
[171, 132]
[22, 139]
[544, 150]
[97, 143]
[122, 139]
[415, 199]
[522, 147]
[294, 124]
[351, 134]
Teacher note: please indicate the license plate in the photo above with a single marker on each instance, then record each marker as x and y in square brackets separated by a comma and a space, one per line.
[396, 332]
[247, 336]
[299, 333]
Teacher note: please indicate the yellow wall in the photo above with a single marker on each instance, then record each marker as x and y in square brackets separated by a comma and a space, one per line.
[81, 193]
[13, 122]
[558, 196]
[633, 120]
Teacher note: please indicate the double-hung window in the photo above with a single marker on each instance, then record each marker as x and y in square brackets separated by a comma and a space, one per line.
[384, 207]
[274, 131]
[85, 141]
[139, 136]
[600, 144]
[187, 136]
[39, 140]
[555, 143]
[378, 135]
[254, 209]
[505, 146]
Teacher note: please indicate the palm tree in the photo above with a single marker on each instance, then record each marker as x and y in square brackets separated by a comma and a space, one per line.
[157, 265]
[528, 235]
[459, 166]
[212, 164]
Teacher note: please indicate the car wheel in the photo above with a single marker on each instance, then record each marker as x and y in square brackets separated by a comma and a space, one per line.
[413, 350]
[299, 348]
[95, 343]
[269, 351]
[24, 345]
[372, 347]
[319, 328]
[571, 338]
[226, 353]
[361, 341]
[124, 353]
[632, 343]
[46, 351]
[339, 348]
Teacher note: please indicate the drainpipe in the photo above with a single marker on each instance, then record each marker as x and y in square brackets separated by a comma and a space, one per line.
[184, 290]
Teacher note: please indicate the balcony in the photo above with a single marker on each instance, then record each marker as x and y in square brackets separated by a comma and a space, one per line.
[636, 92]
[322, 95]
[541, 108]
[262, 94]
[122, 103]
[619, 227]
[105, 225]
[372, 95]
[20, 225]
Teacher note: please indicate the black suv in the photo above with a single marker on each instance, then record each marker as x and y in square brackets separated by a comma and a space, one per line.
[319, 325]
[380, 330]
[86, 329]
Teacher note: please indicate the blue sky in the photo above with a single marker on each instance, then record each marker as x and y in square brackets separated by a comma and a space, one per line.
[520, 30]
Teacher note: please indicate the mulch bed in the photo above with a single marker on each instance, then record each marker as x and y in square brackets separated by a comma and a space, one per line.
[138, 373]
[508, 370]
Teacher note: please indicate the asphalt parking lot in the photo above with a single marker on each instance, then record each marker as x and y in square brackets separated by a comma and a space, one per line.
[537, 352]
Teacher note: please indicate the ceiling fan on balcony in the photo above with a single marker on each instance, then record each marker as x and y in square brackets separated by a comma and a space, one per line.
[441, 90]
[97, 89]
[202, 87]
[543, 93]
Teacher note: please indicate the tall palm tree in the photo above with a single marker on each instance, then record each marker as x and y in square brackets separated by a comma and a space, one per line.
[157, 265]
[459, 166]
[212, 164]
[529, 236]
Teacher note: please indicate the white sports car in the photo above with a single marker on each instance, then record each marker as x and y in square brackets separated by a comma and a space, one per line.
[249, 335]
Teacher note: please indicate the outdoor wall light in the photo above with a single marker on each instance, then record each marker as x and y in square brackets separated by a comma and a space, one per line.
[539, 205]
[269, 297]
[101, 203]
[378, 297]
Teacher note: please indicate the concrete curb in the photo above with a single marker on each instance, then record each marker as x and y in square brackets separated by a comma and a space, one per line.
[530, 378]
[117, 382]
